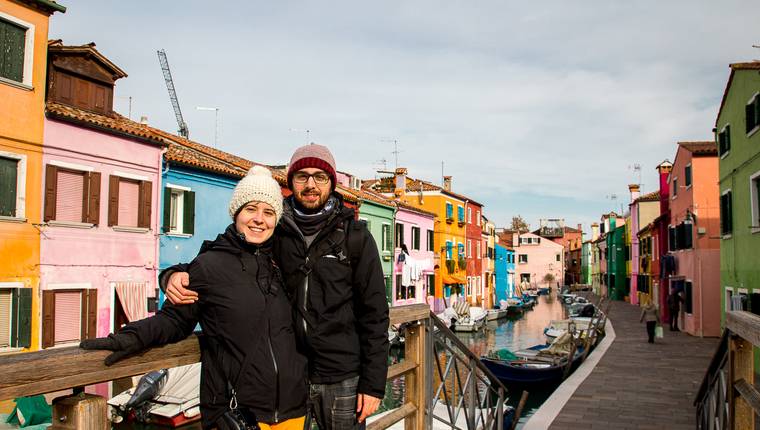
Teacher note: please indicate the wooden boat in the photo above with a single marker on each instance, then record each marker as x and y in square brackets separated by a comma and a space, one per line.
[496, 314]
[544, 291]
[473, 321]
[531, 367]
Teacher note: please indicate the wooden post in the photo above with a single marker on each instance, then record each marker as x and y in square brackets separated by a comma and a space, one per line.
[742, 369]
[414, 349]
[518, 411]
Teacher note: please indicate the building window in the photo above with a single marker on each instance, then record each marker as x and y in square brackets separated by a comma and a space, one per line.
[754, 183]
[16, 50]
[460, 214]
[469, 215]
[559, 257]
[724, 140]
[129, 202]
[416, 238]
[675, 187]
[387, 239]
[477, 217]
[688, 301]
[477, 254]
[400, 290]
[72, 195]
[687, 175]
[430, 240]
[752, 113]
[469, 248]
[12, 185]
[522, 258]
[399, 235]
[68, 316]
[15, 315]
[460, 250]
[449, 211]
[179, 210]
[726, 213]
[431, 285]
[449, 250]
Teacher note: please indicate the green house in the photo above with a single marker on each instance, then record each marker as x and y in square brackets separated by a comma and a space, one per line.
[737, 134]
[616, 257]
[380, 219]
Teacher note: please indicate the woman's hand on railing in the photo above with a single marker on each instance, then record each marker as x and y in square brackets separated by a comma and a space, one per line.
[123, 345]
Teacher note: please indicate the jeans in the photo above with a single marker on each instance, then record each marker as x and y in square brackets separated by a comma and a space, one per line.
[650, 330]
[333, 406]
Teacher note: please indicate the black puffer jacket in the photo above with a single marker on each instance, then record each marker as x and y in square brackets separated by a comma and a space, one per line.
[348, 330]
[243, 310]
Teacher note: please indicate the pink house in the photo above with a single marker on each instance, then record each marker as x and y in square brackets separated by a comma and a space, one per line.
[414, 277]
[535, 257]
[99, 239]
[694, 236]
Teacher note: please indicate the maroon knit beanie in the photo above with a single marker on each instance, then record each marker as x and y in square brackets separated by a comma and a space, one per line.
[312, 155]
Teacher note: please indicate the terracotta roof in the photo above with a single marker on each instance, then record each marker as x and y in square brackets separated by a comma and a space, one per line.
[387, 185]
[413, 208]
[88, 49]
[367, 195]
[48, 6]
[700, 148]
[187, 156]
[752, 65]
[113, 123]
[654, 196]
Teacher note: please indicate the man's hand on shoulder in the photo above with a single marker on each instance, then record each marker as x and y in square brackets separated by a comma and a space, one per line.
[176, 290]
[366, 405]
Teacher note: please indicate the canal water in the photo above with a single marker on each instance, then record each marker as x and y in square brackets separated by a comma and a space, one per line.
[515, 333]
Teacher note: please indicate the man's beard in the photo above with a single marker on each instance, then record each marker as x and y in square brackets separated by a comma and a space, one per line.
[312, 205]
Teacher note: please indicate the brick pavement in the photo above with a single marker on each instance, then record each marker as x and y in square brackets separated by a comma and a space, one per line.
[637, 385]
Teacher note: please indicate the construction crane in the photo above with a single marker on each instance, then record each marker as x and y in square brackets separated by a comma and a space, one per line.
[183, 131]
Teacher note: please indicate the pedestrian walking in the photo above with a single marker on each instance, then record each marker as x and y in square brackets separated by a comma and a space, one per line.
[650, 314]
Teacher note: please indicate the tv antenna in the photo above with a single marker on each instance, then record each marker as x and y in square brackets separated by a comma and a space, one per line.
[636, 167]
[301, 130]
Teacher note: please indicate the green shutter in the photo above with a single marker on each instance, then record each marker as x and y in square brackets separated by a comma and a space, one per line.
[749, 115]
[167, 209]
[24, 318]
[8, 181]
[188, 220]
[12, 41]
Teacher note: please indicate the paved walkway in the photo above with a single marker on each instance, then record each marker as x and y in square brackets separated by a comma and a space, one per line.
[637, 385]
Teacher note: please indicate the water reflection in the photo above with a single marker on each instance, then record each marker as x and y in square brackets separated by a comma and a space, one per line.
[513, 333]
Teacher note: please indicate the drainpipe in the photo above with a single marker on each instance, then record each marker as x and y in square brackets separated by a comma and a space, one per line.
[157, 226]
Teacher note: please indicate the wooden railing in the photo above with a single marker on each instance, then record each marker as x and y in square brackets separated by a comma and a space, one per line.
[727, 398]
[65, 368]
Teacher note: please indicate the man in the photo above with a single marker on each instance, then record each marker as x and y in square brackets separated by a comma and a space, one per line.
[338, 293]
[674, 307]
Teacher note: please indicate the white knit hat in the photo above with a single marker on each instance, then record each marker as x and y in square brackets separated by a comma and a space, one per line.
[257, 186]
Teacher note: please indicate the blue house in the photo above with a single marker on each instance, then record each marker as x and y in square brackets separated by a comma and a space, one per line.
[197, 188]
[510, 272]
[501, 285]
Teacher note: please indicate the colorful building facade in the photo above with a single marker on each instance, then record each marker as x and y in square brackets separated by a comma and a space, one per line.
[475, 291]
[414, 274]
[539, 261]
[22, 95]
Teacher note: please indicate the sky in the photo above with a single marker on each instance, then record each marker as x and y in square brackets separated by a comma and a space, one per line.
[542, 109]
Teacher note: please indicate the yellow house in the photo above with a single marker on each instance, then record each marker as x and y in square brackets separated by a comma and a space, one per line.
[449, 236]
[23, 56]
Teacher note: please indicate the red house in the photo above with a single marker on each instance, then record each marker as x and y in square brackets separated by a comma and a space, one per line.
[476, 290]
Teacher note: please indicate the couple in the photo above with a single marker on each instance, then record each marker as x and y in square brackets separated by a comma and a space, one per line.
[287, 280]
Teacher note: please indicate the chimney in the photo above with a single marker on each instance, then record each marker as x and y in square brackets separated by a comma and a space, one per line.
[634, 189]
[447, 183]
[400, 187]
[595, 231]
[580, 227]
[664, 170]
[144, 120]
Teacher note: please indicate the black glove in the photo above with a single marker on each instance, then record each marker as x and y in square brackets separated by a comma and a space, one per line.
[123, 345]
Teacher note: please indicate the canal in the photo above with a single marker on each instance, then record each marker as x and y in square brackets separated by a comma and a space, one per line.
[512, 333]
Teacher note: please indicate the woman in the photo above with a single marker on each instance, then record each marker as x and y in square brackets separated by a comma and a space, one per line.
[651, 315]
[248, 347]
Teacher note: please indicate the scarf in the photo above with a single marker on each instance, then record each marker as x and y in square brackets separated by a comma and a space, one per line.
[311, 224]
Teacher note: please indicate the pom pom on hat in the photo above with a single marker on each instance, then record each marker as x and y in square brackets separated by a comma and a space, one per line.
[257, 186]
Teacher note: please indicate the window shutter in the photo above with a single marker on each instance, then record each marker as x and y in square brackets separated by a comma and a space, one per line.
[8, 183]
[71, 196]
[143, 217]
[92, 314]
[167, 218]
[749, 115]
[6, 316]
[51, 189]
[48, 319]
[93, 198]
[12, 40]
[24, 318]
[188, 217]
[68, 316]
[730, 212]
[113, 200]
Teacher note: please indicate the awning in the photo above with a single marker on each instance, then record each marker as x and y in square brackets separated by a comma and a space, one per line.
[453, 279]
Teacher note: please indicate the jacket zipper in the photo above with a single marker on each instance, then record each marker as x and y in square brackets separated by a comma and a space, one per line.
[276, 375]
[305, 301]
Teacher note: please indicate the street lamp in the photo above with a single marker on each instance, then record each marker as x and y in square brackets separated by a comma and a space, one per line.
[216, 122]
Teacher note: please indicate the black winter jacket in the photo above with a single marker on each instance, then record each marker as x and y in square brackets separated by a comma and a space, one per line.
[347, 334]
[243, 310]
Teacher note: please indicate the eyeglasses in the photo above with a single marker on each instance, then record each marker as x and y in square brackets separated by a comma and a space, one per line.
[320, 178]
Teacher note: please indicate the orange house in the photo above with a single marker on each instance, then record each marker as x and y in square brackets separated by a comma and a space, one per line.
[23, 53]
